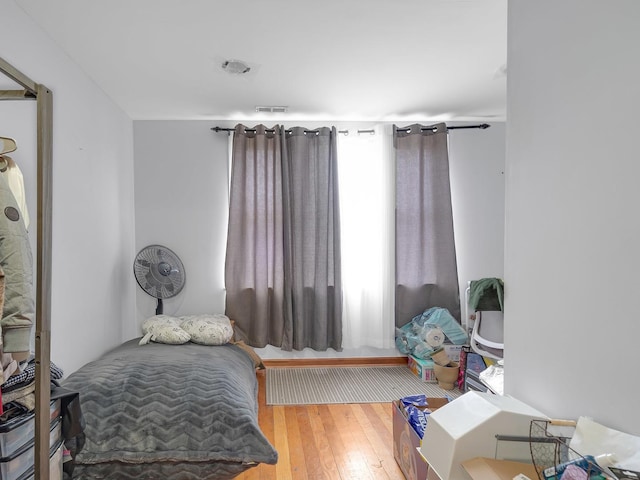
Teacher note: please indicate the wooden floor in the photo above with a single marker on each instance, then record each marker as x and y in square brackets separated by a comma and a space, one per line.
[346, 441]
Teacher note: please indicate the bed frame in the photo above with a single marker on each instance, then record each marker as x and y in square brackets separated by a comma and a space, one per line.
[33, 91]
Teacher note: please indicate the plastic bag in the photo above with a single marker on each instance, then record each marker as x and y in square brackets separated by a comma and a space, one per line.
[415, 400]
[402, 342]
[493, 377]
[410, 337]
[417, 419]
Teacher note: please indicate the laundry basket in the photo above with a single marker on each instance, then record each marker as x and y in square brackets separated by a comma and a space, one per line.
[549, 444]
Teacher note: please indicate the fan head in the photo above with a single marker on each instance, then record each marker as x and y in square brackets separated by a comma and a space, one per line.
[159, 271]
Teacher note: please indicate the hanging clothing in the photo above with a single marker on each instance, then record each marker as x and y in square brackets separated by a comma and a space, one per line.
[16, 261]
[12, 173]
[486, 294]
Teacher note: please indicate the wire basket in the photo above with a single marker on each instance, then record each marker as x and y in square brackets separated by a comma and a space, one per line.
[550, 446]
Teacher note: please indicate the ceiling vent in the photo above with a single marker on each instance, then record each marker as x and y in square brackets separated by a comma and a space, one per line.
[267, 109]
[235, 67]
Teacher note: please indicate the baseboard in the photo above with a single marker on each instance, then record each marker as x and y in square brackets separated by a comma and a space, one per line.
[333, 362]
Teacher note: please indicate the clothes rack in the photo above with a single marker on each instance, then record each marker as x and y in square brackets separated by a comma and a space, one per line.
[44, 97]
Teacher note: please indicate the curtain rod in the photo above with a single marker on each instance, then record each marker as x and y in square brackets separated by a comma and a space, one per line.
[481, 126]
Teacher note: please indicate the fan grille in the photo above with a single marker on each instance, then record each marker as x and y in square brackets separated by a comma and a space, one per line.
[159, 271]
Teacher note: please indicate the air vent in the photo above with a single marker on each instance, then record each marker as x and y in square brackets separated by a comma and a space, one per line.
[266, 109]
[235, 67]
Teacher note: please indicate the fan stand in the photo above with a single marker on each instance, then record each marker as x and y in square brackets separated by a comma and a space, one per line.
[159, 307]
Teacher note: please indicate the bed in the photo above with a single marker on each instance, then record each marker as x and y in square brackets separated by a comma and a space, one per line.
[169, 411]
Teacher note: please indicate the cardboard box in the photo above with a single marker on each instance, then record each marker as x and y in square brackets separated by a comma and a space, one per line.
[406, 442]
[481, 468]
[432, 475]
[453, 351]
[422, 368]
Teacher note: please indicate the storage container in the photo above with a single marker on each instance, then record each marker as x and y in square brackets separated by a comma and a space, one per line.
[15, 465]
[19, 431]
[55, 465]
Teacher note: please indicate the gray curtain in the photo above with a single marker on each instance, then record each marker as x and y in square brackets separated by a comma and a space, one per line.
[254, 265]
[313, 288]
[282, 272]
[426, 268]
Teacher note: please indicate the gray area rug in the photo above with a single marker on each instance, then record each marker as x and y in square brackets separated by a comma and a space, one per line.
[309, 386]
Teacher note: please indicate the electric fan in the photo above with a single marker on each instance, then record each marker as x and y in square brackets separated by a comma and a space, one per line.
[159, 272]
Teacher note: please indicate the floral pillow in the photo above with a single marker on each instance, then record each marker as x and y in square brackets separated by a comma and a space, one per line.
[163, 329]
[208, 329]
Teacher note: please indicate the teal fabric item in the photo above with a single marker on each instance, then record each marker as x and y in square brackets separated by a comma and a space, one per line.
[486, 294]
[410, 337]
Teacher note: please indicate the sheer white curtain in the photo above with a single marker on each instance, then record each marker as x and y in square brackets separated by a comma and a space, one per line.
[366, 178]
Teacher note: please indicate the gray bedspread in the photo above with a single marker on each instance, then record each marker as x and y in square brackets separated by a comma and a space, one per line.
[155, 406]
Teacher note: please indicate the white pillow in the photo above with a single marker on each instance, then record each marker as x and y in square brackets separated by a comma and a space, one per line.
[163, 329]
[208, 329]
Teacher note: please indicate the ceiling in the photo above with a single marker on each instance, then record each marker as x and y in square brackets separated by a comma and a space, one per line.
[343, 60]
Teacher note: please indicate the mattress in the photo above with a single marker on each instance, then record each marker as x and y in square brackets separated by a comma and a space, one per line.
[169, 411]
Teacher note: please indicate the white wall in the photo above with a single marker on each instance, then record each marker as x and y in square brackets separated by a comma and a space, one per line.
[476, 163]
[92, 283]
[181, 192]
[181, 201]
[572, 196]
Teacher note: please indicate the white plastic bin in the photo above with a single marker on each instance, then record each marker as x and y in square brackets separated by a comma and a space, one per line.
[467, 427]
